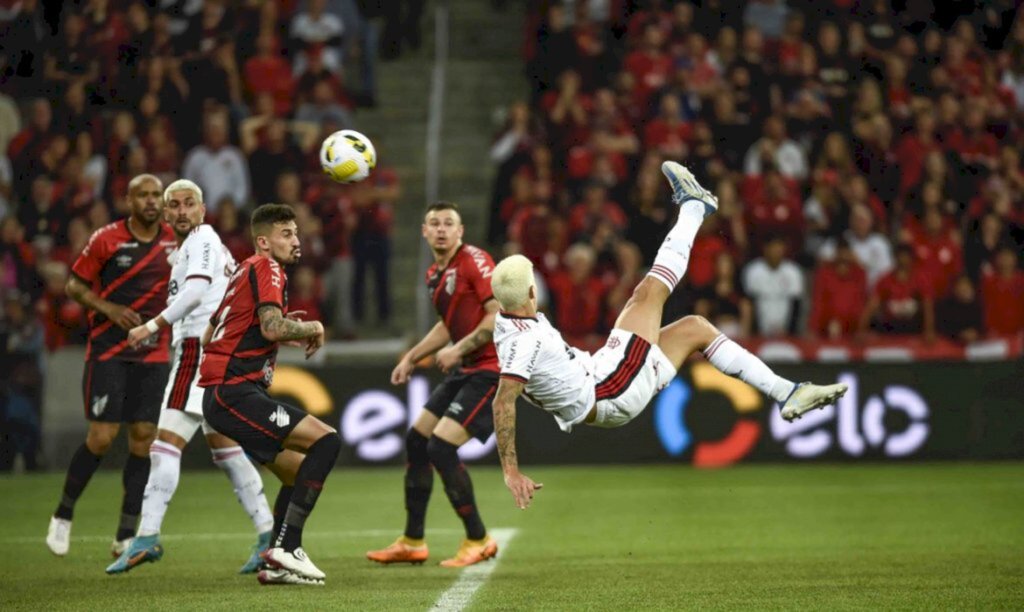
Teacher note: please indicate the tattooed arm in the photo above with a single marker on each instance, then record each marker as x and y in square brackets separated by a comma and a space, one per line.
[519, 484]
[451, 356]
[277, 328]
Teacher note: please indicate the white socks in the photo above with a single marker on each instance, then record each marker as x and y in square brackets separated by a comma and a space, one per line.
[164, 471]
[674, 255]
[734, 360]
[247, 483]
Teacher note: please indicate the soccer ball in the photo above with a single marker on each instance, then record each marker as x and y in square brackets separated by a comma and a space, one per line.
[347, 156]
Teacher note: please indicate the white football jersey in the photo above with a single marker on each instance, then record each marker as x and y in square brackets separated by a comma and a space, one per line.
[558, 377]
[203, 255]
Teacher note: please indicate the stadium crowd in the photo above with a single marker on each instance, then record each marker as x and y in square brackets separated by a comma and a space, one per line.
[235, 95]
[866, 154]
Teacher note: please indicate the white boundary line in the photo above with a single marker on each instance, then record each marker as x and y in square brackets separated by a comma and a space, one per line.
[460, 594]
[351, 534]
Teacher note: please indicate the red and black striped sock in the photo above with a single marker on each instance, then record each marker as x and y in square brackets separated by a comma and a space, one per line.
[83, 466]
[319, 461]
[419, 482]
[457, 485]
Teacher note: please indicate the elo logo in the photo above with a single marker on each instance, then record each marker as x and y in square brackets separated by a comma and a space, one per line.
[670, 412]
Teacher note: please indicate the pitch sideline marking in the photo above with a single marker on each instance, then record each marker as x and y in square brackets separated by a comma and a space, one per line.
[460, 594]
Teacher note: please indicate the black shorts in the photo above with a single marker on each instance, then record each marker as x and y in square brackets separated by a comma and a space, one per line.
[467, 399]
[248, 415]
[117, 391]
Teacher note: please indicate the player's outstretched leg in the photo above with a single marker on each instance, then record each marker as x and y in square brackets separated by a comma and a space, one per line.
[642, 313]
[321, 445]
[411, 547]
[83, 465]
[694, 333]
[248, 486]
[478, 545]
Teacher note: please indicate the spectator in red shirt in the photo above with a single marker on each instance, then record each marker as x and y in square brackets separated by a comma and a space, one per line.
[268, 72]
[902, 302]
[1003, 294]
[939, 256]
[64, 320]
[959, 315]
[577, 297]
[912, 149]
[840, 292]
[668, 133]
[593, 209]
[708, 246]
[567, 110]
[976, 147]
[773, 209]
[304, 293]
[649, 65]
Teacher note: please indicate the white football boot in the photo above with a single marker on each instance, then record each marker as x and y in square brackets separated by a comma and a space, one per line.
[808, 396]
[282, 576]
[685, 187]
[58, 536]
[296, 562]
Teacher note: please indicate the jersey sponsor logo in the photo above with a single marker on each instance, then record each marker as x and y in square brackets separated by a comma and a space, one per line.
[455, 408]
[280, 417]
[172, 288]
[536, 351]
[99, 404]
[127, 245]
[449, 282]
[206, 256]
[511, 357]
[614, 342]
[125, 261]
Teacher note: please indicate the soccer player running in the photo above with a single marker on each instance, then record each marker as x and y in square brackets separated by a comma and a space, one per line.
[460, 407]
[640, 358]
[239, 354]
[199, 277]
[120, 277]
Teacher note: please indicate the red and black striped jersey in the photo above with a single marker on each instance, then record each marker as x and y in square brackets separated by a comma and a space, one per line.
[459, 291]
[237, 350]
[124, 270]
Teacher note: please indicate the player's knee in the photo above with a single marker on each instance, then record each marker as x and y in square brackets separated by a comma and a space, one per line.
[698, 330]
[99, 440]
[441, 452]
[416, 447]
[330, 442]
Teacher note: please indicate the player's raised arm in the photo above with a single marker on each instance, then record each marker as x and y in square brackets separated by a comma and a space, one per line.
[436, 338]
[519, 484]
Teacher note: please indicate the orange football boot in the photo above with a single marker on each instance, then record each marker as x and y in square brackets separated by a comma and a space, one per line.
[472, 552]
[403, 550]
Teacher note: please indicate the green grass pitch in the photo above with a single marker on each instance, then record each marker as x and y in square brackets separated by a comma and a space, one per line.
[932, 536]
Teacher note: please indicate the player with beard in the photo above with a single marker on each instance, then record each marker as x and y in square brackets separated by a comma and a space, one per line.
[459, 409]
[199, 277]
[120, 277]
[239, 355]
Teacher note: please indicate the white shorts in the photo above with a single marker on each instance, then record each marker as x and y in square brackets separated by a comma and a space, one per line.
[182, 410]
[629, 372]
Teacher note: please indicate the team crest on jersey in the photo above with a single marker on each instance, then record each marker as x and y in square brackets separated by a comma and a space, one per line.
[449, 282]
[280, 417]
[99, 404]
[124, 260]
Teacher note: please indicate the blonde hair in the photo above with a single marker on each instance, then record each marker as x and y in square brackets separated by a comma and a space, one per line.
[183, 185]
[511, 281]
